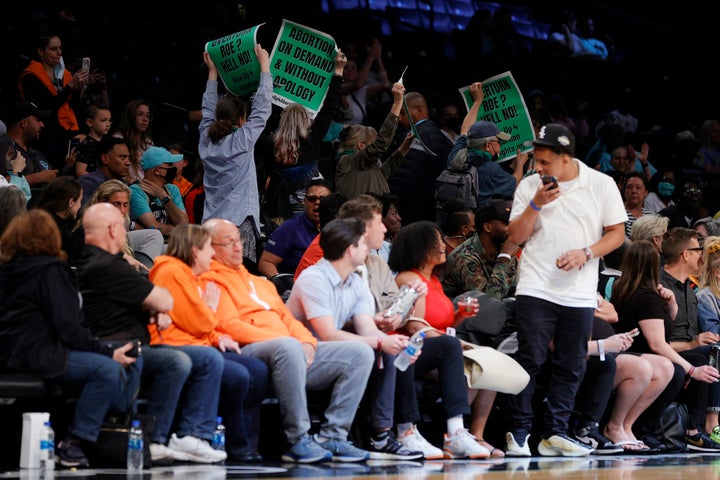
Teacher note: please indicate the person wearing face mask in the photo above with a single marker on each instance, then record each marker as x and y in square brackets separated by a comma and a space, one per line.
[479, 146]
[485, 262]
[662, 188]
[155, 202]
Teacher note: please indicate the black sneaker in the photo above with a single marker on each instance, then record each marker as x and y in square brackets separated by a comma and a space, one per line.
[701, 442]
[69, 453]
[590, 435]
[387, 447]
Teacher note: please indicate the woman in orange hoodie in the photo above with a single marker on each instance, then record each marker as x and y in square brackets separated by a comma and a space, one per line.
[244, 379]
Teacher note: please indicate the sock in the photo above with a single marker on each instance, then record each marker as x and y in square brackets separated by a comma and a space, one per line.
[454, 424]
[402, 428]
[380, 438]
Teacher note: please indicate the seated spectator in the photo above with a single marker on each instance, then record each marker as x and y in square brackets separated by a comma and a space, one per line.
[642, 302]
[112, 158]
[707, 227]
[682, 254]
[61, 199]
[661, 188]
[650, 227]
[24, 126]
[485, 262]
[134, 127]
[417, 252]
[42, 334]
[12, 204]
[244, 378]
[143, 244]
[440, 352]
[329, 295]
[689, 205]
[98, 122]
[252, 313]
[708, 295]
[458, 225]
[328, 209]
[119, 304]
[155, 202]
[636, 380]
[286, 245]
[635, 191]
[392, 221]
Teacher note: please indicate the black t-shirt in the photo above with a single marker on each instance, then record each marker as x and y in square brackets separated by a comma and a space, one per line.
[644, 304]
[112, 293]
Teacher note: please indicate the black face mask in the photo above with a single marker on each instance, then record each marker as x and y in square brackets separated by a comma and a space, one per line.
[170, 174]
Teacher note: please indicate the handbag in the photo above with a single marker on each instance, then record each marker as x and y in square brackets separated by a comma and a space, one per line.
[110, 450]
[487, 368]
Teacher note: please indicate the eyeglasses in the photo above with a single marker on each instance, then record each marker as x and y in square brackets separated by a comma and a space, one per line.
[313, 198]
[692, 191]
[236, 241]
[695, 249]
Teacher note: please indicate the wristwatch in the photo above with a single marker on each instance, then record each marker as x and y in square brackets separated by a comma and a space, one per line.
[166, 200]
[588, 254]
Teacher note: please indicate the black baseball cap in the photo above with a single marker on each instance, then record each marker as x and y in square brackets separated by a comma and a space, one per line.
[556, 135]
[22, 110]
[495, 209]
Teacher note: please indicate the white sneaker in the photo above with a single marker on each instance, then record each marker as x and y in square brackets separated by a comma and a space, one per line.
[464, 445]
[193, 449]
[563, 446]
[161, 455]
[515, 449]
[414, 441]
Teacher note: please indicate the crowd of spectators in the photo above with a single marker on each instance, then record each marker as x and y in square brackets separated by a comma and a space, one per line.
[196, 246]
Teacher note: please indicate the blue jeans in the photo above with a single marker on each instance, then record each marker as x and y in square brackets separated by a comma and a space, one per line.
[164, 371]
[244, 386]
[538, 322]
[200, 398]
[103, 385]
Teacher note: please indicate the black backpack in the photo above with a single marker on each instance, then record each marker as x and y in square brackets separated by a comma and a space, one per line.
[460, 185]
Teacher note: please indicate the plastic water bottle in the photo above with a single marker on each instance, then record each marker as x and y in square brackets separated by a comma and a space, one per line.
[135, 448]
[47, 448]
[218, 438]
[402, 361]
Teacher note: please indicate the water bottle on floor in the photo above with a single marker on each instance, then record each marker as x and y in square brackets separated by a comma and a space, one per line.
[218, 438]
[415, 344]
[47, 449]
[135, 448]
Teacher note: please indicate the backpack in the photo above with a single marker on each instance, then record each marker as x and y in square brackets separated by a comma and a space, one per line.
[460, 185]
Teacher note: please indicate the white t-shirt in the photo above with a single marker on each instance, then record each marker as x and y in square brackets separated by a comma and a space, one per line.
[576, 219]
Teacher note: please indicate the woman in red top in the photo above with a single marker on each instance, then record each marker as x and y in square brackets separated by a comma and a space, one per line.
[418, 250]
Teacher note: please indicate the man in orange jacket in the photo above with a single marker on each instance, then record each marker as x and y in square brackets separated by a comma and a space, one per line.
[253, 314]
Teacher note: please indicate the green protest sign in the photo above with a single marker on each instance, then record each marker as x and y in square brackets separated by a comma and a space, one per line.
[504, 105]
[302, 63]
[235, 59]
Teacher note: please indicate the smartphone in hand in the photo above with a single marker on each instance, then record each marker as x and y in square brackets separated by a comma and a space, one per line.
[550, 179]
[86, 64]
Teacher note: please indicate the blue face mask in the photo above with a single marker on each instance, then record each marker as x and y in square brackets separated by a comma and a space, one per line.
[666, 189]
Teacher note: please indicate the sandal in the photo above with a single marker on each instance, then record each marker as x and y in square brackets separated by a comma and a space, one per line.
[494, 452]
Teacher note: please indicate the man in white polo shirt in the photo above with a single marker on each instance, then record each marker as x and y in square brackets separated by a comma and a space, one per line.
[567, 217]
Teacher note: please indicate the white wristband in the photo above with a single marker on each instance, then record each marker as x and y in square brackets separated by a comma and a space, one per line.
[504, 255]
[601, 350]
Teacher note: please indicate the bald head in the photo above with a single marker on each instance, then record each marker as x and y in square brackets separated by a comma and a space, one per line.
[226, 242]
[104, 227]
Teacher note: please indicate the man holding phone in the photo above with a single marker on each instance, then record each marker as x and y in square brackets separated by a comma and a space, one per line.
[564, 229]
